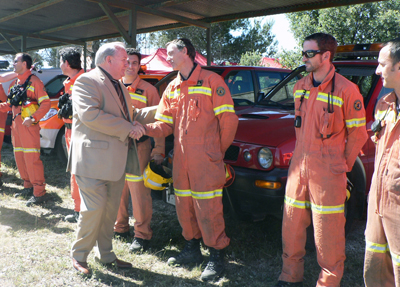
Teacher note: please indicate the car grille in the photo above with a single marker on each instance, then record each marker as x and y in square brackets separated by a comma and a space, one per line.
[232, 153]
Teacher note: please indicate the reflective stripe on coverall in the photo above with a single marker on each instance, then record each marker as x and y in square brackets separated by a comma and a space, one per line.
[326, 148]
[68, 84]
[26, 140]
[143, 94]
[3, 119]
[382, 252]
[200, 113]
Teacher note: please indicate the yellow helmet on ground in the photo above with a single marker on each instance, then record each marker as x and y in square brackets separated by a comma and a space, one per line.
[156, 176]
[28, 109]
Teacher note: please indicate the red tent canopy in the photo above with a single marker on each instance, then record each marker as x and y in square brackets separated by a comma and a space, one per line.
[270, 62]
[156, 63]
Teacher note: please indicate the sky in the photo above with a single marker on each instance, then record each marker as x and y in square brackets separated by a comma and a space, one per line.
[282, 32]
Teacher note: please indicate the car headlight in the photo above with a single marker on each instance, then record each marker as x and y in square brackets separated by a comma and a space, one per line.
[51, 113]
[265, 157]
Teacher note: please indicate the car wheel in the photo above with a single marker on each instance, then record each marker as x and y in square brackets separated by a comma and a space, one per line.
[61, 147]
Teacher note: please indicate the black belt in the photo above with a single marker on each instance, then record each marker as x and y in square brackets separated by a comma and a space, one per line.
[67, 125]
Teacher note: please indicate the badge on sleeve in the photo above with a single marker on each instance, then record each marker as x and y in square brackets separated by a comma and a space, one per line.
[220, 91]
[357, 105]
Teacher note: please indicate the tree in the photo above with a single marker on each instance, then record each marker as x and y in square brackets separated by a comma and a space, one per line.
[251, 59]
[229, 40]
[363, 23]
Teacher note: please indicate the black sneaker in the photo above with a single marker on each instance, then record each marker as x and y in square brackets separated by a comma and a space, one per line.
[191, 253]
[289, 284]
[35, 200]
[73, 218]
[139, 244]
[122, 235]
[215, 265]
[1, 182]
[25, 193]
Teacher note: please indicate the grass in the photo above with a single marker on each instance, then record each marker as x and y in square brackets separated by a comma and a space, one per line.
[35, 244]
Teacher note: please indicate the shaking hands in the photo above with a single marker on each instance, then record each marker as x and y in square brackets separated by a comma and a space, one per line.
[137, 131]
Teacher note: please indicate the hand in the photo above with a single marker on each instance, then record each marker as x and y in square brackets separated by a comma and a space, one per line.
[27, 122]
[158, 158]
[137, 131]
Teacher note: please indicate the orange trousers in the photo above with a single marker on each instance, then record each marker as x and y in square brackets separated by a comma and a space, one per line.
[141, 199]
[74, 186]
[314, 191]
[26, 142]
[3, 119]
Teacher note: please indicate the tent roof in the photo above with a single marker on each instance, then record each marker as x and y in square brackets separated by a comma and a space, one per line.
[35, 24]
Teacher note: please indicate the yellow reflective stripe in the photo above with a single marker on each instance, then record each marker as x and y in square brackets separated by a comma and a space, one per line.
[1, 130]
[26, 150]
[199, 194]
[299, 93]
[133, 178]
[32, 89]
[360, 122]
[70, 88]
[200, 90]
[395, 258]
[41, 99]
[224, 109]
[321, 209]
[164, 118]
[323, 97]
[182, 192]
[376, 247]
[174, 93]
[138, 97]
[297, 203]
[391, 115]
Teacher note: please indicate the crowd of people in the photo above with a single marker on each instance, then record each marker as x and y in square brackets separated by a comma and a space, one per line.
[106, 120]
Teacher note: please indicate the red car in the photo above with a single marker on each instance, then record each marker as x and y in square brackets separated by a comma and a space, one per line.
[261, 151]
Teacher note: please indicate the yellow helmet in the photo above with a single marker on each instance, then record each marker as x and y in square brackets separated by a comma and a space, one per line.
[28, 109]
[156, 176]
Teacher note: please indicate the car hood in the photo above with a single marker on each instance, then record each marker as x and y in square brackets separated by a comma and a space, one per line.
[269, 127]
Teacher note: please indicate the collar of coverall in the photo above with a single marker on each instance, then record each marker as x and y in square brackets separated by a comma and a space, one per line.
[193, 76]
[73, 79]
[24, 76]
[390, 98]
[325, 82]
[135, 83]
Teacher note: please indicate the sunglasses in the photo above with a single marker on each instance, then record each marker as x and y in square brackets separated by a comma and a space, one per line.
[311, 53]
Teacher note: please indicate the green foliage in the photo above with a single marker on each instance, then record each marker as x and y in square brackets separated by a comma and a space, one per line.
[290, 59]
[251, 59]
[364, 23]
[229, 40]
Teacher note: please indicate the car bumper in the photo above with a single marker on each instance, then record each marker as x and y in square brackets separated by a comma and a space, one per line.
[248, 199]
[48, 137]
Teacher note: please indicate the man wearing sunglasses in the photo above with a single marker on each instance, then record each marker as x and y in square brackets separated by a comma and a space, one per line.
[330, 131]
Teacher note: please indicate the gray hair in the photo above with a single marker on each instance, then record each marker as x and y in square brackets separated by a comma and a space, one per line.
[106, 50]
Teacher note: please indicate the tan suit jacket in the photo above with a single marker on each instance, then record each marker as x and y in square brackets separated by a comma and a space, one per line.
[99, 140]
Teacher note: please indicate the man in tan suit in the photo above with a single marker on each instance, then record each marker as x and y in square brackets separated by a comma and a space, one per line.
[99, 157]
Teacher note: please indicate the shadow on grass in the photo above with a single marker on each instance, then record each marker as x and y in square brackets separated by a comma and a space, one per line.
[22, 220]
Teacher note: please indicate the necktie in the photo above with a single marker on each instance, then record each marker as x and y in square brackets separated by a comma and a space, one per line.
[121, 97]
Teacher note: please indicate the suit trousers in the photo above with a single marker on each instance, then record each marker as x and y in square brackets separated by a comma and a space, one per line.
[99, 207]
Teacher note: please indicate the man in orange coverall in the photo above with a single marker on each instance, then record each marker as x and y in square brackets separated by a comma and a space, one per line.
[198, 109]
[330, 131]
[26, 132]
[143, 94]
[70, 64]
[382, 251]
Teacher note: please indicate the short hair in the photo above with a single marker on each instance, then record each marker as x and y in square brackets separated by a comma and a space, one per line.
[108, 49]
[133, 51]
[184, 43]
[325, 42]
[73, 56]
[26, 58]
[394, 50]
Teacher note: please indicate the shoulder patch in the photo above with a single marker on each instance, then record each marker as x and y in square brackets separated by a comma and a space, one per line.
[357, 105]
[220, 91]
[199, 83]
[139, 91]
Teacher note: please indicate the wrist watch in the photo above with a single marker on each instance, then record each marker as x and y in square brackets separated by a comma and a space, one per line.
[33, 119]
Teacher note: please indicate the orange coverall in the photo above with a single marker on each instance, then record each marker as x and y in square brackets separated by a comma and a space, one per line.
[382, 252]
[143, 94]
[26, 140]
[200, 113]
[3, 119]
[68, 84]
[327, 145]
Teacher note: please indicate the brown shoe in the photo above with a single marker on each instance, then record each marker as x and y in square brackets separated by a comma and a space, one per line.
[82, 267]
[121, 264]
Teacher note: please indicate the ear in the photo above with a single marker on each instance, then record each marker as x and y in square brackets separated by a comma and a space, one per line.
[327, 55]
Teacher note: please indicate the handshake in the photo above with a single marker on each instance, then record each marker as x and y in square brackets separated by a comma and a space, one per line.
[137, 131]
